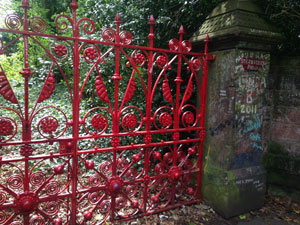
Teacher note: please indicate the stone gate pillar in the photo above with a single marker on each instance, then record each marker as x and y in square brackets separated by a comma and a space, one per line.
[234, 180]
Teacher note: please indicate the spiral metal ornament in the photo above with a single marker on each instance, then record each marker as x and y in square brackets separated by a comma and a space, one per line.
[3, 198]
[37, 24]
[17, 223]
[125, 37]
[53, 188]
[105, 167]
[13, 21]
[120, 203]
[37, 178]
[94, 180]
[3, 217]
[159, 168]
[131, 190]
[94, 197]
[15, 181]
[37, 220]
[104, 207]
[122, 164]
[131, 174]
[108, 35]
[51, 208]
[196, 63]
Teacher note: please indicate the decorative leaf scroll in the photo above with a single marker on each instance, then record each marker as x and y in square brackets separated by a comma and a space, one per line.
[167, 91]
[188, 92]
[130, 91]
[48, 88]
[101, 90]
[6, 90]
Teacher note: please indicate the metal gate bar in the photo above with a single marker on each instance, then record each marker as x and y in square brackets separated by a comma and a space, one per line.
[115, 161]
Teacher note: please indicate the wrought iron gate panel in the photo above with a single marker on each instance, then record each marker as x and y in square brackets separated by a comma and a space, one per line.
[122, 159]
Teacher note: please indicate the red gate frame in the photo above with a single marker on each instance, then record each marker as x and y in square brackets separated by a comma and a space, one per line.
[133, 184]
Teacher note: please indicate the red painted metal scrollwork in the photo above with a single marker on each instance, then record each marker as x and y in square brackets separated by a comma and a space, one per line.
[138, 152]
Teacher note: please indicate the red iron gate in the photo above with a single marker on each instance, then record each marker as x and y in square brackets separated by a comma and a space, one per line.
[116, 161]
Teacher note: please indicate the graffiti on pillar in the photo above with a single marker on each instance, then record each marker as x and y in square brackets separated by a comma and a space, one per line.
[251, 70]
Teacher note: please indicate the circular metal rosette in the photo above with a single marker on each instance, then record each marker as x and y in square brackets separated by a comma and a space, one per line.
[95, 121]
[52, 126]
[162, 60]
[91, 53]
[109, 35]
[196, 63]
[8, 129]
[125, 37]
[37, 24]
[131, 118]
[13, 21]
[189, 116]
[36, 220]
[163, 118]
[59, 49]
[138, 58]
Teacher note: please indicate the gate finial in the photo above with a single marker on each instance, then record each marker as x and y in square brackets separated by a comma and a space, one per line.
[206, 40]
[118, 19]
[74, 5]
[151, 20]
[181, 30]
[25, 3]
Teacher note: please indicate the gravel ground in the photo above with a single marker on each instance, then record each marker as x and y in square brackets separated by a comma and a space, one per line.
[277, 210]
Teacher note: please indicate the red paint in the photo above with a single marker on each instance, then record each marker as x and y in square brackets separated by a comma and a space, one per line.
[251, 64]
[146, 176]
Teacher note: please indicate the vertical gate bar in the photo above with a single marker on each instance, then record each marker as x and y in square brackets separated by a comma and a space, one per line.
[178, 81]
[26, 125]
[202, 119]
[151, 37]
[76, 103]
[116, 77]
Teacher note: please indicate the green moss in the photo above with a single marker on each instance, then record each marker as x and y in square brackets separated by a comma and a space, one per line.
[282, 167]
[219, 189]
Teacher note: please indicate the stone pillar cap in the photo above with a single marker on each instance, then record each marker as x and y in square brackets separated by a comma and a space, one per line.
[241, 18]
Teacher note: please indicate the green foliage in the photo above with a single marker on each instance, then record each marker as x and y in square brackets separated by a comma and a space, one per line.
[285, 15]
